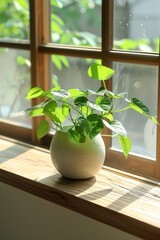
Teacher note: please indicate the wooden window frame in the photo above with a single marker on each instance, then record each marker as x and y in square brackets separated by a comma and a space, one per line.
[40, 48]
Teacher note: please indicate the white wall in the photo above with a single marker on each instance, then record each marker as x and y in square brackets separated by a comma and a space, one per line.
[26, 217]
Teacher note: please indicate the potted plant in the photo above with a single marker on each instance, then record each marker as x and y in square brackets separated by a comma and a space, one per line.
[78, 117]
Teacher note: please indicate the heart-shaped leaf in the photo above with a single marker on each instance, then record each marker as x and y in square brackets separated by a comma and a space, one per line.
[125, 144]
[36, 112]
[61, 93]
[42, 129]
[94, 106]
[139, 107]
[34, 93]
[59, 116]
[74, 93]
[77, 134]
[100, 72]
[80, 101]
[136, 102]
[116, 127]
[83, 122]
[95, 124]
[65, 109]
[50, 111]
[85, 110]
[104, 102]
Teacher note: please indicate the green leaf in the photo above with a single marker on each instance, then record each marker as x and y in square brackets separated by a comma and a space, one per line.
[23, 61]
[50, 93]
[102, 91]
[125, 144]
[80, 101]
[42, 129]
[61, 93]
[54, 112]
[100, 72]
[85, 110]
[36, 112]
[59, 117]
[57, 88]
[24, 5]
[78, 129]
[34, 93]
[55, 59]
[116, 127]
[50, 106]
[94, 106]
[95, 124]
[139, 107]
[140, 104]
[104, 102]
[65, 109]
[74, 93]
[64, 60]
[57, 19]
[77, 134]
[57, 3]
[49, 110]
[54, 80]
[91, 92]
[119, 95]
[109, 116]
[84, 124]
[126, 44]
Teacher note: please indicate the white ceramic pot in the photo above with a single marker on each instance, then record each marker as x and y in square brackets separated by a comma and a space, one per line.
[77, 160]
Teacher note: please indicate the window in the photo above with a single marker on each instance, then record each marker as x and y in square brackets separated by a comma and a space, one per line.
[42, 42]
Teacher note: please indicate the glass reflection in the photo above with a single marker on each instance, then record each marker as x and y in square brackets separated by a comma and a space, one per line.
[137, 25]
[14, 82]
[139, 81]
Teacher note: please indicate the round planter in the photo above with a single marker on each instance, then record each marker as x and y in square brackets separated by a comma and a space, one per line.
[77, 160]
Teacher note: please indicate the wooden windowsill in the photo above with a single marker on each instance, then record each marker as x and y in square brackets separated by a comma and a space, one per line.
[124, 202]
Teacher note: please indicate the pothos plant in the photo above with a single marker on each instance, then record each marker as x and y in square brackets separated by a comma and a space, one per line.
[84, 113]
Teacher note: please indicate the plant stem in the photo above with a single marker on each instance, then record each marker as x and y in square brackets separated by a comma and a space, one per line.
[71, 117]
[108, 135]
[122, 109]
[104, 84]
[53, 128]
[72, 107]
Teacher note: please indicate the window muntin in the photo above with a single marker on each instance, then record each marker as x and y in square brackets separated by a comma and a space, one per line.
[14, 20]
[137, 25]
[74, 22]
[15, 81]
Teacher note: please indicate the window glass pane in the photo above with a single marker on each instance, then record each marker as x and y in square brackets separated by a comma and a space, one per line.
[76, 22]
[72, 75]
[14, 19]
[14, 82]
[139, 81]
[137, 25]
[71, 72]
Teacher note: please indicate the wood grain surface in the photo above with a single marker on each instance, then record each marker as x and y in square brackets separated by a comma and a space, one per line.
[121, 201]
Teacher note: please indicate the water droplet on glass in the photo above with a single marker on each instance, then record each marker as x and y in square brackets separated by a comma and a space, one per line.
[122, 2]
